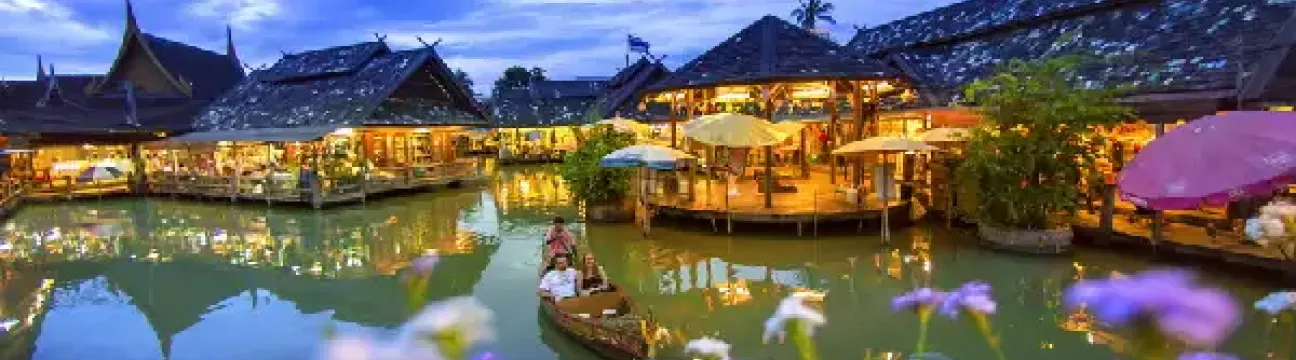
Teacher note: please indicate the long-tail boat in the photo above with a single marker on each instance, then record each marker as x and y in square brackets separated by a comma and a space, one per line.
[607, 322]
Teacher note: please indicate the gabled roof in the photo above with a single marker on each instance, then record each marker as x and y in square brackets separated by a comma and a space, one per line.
[190, 71]
[626, 88]
[772, 49]
[361, 84]
[542, 104]
[553, 89]
[1169, 46]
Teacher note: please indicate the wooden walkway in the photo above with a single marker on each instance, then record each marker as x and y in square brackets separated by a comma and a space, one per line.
[1188, 240]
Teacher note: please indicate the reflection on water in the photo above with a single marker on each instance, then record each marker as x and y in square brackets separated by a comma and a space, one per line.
[152, 279]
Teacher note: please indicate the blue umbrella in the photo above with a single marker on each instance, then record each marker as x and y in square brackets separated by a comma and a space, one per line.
[651, 156]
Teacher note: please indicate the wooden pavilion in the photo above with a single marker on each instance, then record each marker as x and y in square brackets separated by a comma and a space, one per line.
[539, 122]
[1180, 59]
[775, 70]
[326, 126]
[60, 128]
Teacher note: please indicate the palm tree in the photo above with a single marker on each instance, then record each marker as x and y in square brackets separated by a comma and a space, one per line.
[812, 11]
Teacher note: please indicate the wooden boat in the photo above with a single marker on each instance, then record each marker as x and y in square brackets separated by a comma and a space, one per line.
[606, 322]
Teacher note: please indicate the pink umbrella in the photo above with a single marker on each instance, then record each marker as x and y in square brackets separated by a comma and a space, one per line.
[1213, 160]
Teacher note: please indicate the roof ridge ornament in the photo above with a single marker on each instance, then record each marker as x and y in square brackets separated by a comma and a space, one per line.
[381, 38]
[425, 44]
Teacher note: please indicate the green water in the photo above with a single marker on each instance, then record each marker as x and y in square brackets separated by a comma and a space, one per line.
[155, 278]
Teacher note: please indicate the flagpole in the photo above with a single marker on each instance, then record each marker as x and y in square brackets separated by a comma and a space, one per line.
[627, 54]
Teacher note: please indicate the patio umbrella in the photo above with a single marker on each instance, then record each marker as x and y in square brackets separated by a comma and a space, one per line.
[734, 130]
[883, 145]
[655, 157]
[944, 135]
[626, 125]
[99, 172]
[1213, 160]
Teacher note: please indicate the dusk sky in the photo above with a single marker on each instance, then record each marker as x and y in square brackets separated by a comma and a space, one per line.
[567, 37]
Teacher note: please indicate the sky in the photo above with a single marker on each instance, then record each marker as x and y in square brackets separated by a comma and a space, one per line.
[568, 38]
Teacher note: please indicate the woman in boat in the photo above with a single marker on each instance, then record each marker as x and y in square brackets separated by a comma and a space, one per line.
[593, 277]
[558, 239]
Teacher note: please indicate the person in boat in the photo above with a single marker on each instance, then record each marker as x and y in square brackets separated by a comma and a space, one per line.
[561, 281]
[558, 239]
[593, 277]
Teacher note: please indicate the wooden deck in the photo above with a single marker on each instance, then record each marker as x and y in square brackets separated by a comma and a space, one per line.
[811, 200]
[287, 189]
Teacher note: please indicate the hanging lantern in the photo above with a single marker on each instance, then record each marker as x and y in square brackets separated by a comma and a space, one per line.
[643, 106]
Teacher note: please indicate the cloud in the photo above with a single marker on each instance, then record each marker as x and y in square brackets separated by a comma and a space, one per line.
[46, 24]
[241, 14]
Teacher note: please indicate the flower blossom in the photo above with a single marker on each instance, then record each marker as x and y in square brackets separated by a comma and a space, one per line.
[1276, 302]
[452, 325]
[1206, 356]
[1196, 316]
[917, 299]
[792, 308]
[973, 296]
[709, 348]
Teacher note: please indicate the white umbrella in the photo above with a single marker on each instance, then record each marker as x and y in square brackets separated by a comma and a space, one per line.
[652, 156]
[734, 130]
[944, 135]
[883, 145]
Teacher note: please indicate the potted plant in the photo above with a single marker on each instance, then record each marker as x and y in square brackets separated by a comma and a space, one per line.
[602, 190]
[1033, 151]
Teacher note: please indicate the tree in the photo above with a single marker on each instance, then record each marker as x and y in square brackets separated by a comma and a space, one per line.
[590, 182]
[538, 74]
[462, 78]
[812, 11]
[1035, 146]
[513, 77]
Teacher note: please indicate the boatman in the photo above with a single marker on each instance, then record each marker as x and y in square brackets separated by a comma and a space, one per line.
[560, 282]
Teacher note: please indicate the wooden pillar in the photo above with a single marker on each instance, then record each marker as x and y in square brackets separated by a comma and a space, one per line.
[832, 132]
[363, 158]
[238, 172]
[317, 181]
[769, 150]
[272, 166]
[857, 112]
[409, 157]
[1108, 209]
[139, 181]
[1157, 216]
[805, 163]
[672, 118]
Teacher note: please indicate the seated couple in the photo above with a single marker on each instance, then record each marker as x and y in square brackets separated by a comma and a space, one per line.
[561, 281]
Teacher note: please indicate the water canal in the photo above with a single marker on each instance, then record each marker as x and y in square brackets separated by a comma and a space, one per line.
[157, 278]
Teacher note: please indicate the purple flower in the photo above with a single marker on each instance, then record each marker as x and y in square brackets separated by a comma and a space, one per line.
[1170, 300]
[918, 298]
[423, 265]
[1206, 356]
[973, 296]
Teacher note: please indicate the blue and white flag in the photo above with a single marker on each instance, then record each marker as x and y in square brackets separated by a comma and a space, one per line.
[638, 45]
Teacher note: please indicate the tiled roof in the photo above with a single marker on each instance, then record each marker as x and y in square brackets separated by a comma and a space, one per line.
[1153, 46]
[313, 89]
[963, 19]
[209, 74]
[72, 110]
[772, 49]
[624, 91]
[553, 89]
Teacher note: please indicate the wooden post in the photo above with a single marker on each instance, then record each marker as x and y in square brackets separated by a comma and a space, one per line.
[857, 111]
[1108, 209]
[238, 173]
[1158, 215]
[832, 131]
[317, 181]
[672, 118]
[769, 150]
[357, 145]
[138, 179]
[267, 186]
[805, 163]
[409, 158]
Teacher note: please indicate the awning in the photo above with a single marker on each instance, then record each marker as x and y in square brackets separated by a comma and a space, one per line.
[305, 133]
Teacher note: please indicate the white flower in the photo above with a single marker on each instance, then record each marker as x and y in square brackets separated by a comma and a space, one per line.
[792, 308]
[463, 315]
[706, 346]
[361, 348]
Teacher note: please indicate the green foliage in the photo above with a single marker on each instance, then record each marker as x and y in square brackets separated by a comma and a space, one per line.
[809, 12]
[590, 182]
[518, 77]
[462, 78]
[1035, 146]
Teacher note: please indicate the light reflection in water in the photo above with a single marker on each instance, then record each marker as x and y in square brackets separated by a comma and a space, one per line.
[206, 271]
